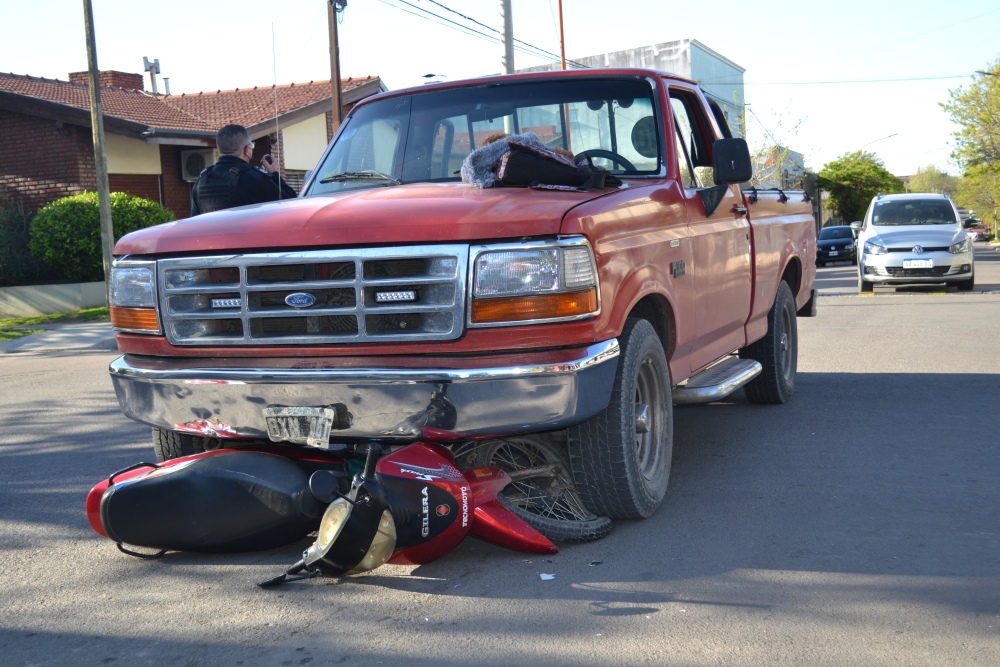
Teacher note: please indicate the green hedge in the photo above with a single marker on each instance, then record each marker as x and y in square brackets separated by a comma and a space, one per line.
[66, 234]
[17, 265]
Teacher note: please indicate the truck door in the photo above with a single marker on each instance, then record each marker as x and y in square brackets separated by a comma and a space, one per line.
[720, 270]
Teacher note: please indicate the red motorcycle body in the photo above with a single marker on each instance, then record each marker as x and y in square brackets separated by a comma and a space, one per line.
[252, 499]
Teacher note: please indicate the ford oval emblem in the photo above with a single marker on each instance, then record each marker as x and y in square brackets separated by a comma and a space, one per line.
[300, 300]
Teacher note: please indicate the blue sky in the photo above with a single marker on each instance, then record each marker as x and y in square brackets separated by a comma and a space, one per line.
[823, 78]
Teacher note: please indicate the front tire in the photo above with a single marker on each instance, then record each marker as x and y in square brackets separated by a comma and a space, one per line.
[777, 352]
[621, 457]
[171, 444]
[967, 285]
[865, 286]
[544, 499]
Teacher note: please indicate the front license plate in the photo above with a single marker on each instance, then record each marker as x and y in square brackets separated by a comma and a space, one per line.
[918, 263]
[834, 253]
[300, 425]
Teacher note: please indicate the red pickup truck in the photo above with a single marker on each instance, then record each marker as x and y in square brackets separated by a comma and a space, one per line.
[393, 302]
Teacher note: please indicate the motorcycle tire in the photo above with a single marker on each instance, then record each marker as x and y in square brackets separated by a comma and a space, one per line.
[549, 504]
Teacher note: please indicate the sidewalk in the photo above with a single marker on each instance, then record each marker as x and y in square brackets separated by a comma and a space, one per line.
[62, 337]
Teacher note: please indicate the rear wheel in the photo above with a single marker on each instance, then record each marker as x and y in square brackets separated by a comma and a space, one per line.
[171, 444]
[541, 492]
[621, 457]
[777, 352]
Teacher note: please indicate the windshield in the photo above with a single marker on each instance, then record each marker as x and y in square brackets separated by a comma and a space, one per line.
[424, 137]
[914, 212]
[828, 233]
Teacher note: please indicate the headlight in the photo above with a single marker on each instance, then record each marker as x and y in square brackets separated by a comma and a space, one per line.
[133, 297]
[333, 521]
[539, 282]
[382, 546]
[874, 248]
[961, 246]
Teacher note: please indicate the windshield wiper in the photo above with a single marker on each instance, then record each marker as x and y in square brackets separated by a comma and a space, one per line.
[366, 175]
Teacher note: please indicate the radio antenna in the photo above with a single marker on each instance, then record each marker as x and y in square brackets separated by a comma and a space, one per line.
[274, 65]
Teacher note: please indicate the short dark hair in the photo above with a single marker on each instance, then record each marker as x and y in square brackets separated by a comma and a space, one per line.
[231, 139]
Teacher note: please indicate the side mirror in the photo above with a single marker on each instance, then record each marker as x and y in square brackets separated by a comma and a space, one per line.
[731, 161]
[856, 225]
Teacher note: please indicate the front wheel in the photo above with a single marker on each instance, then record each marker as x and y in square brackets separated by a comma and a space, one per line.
[621, 457]
[865, 286]
[541, 492]
[777, 352]
[967, 285]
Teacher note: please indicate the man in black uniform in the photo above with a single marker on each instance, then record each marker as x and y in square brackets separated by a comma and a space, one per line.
[232, 181]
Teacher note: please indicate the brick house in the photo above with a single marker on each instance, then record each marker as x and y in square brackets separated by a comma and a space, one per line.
[155, 144]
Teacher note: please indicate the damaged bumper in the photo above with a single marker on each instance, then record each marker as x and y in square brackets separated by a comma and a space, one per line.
[218, 398]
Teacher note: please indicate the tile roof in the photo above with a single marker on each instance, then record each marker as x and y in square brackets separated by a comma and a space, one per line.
[200, 112]
[133, 105]
[250, 106]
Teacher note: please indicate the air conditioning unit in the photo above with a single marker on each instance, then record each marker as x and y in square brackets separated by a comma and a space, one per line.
[192, 162]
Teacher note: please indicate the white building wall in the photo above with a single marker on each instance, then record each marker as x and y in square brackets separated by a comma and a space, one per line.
[304, 143]
[720, 78]
[131, 156]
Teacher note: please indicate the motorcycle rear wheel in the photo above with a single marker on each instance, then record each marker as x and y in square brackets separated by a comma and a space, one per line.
[542, 495]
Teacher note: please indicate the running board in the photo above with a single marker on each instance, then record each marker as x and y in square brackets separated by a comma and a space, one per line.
[717, 381]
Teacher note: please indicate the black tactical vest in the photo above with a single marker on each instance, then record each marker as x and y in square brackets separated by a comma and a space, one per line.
[216, 187]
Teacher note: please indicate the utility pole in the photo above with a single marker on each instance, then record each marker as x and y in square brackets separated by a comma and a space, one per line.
[334, 7]
[100, 158]
[562, 39]
[508, 36]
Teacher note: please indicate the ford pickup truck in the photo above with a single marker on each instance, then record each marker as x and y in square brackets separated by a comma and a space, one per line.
[393, 302]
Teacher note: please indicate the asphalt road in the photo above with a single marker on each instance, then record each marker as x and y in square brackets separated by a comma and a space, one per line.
[857, 525]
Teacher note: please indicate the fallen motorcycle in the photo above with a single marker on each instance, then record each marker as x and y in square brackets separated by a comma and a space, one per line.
[410, 506]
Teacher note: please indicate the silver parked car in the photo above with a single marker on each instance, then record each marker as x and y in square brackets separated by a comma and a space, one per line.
[913, 238]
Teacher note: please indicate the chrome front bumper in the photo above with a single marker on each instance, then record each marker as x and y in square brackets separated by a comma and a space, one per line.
[212, 397]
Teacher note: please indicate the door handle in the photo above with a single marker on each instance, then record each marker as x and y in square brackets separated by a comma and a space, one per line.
[740, 210]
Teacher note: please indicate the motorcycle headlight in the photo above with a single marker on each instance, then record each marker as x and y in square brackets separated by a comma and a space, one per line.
[961, 246]
[382, 546]
[333, 521]
[133, 297]
[874, 249]
[534, 283]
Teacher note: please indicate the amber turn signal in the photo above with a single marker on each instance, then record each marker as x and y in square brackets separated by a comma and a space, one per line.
[136, 319]
[535, 307]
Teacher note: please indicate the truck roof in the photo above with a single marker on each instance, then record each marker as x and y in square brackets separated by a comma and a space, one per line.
[592, 72]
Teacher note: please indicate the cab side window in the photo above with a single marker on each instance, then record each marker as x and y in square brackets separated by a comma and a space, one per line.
[692, 133]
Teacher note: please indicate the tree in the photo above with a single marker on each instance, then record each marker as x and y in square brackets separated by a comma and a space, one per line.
[931, 179]
[774, 164]
[853, 180]
[976, 112]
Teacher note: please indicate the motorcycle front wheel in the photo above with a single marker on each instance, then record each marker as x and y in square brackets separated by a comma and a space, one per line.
[541, 492]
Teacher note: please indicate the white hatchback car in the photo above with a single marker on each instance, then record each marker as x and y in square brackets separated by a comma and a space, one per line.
[913, 238]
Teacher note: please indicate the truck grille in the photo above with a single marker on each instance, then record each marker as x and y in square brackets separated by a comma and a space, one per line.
[315, 297]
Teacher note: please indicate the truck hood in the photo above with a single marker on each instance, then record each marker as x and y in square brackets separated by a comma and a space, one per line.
[413, 213]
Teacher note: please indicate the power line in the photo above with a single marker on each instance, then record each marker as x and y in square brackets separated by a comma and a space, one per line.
[428, 15]
[468, 18]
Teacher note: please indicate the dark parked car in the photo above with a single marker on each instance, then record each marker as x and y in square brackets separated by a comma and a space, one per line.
[836, 244]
